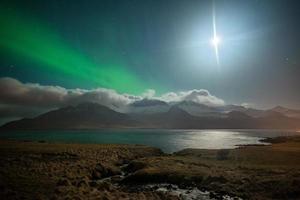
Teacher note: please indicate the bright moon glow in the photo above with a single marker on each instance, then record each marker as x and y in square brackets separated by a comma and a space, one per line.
[215, 41]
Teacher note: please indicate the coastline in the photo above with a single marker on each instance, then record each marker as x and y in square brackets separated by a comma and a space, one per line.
[109, 171]
[168, 140]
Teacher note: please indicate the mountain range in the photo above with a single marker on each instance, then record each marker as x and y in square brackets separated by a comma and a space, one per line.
[151, 113]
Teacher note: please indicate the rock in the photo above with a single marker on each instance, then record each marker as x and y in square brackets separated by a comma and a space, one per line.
[105, 186]
[102, 171]
[41, 197]
[59, 190]
[102, 186]
[213, 195]
[96, 175]
[169, 187]
[215, 179]
[155, 187]
[116, 179]
[93, 184]
[63, 182]
[112, 171]
[77, 198]
[82, 183]
[105, 197]
[134, 166]
[100, 168]
[120, 162]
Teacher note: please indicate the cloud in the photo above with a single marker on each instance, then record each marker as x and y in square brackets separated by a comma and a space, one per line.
[18, 100]
[247, 105]
[199, 96]
[17, 93]
[149, 93]
[27, 94]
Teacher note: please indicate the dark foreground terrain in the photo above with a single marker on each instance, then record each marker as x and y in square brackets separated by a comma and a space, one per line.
[39, 170]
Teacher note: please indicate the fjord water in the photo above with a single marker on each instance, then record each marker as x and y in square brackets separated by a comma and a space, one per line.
[167, 140]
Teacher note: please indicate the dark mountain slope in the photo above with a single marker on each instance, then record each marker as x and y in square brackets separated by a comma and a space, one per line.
[85, 115]
[94, 116]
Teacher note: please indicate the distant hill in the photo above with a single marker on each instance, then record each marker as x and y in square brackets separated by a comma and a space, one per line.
[148, 106]
[94, 116]
[148, 102]
[83, 116]
[151, 106]
[197, 109]
[287, 112]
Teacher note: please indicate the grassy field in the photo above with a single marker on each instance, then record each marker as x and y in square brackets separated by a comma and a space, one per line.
[32, 170]
[38, 170]
[249, 172]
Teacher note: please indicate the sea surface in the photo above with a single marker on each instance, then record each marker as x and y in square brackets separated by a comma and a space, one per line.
[167, 140]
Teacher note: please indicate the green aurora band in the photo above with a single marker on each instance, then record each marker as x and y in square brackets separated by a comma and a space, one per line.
[29, 39]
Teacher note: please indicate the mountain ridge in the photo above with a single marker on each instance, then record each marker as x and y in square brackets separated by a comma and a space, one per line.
[95, 116]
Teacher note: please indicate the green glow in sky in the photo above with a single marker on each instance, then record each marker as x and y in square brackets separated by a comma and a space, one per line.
[29, 39]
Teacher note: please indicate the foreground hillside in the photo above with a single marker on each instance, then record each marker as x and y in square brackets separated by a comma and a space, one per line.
[39, 170]
[95, 116]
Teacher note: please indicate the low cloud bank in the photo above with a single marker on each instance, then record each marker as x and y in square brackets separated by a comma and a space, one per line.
[28, 94]
[18, 100]
[199, 96]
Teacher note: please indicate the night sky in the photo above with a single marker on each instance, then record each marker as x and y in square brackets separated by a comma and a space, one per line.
[134, 45]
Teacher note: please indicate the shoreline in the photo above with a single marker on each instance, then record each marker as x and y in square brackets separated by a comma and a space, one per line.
[60, 170]
[185, 139]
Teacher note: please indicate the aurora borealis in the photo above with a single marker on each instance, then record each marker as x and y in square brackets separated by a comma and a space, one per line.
[49, 51]
[133, 46]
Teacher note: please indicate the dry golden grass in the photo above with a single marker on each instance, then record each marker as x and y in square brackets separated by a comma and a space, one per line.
[33, 170]
[250, 172]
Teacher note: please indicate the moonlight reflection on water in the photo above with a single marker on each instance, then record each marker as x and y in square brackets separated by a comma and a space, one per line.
[167, 140]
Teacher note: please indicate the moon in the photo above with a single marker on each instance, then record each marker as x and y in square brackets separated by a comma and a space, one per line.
[215, 41]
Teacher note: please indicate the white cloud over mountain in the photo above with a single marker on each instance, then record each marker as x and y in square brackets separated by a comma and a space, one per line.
[18, 100]
[198, 96]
